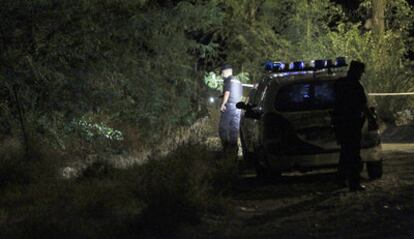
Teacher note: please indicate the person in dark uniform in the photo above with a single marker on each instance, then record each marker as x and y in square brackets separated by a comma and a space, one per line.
[230, 115]
[349, 108]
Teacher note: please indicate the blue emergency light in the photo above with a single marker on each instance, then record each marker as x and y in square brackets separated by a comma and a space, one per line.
[274, 66]
[340, 61]
[297, 65]
[314, 65]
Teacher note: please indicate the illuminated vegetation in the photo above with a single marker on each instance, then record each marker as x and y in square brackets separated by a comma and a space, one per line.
[140, 64]
[85, 80]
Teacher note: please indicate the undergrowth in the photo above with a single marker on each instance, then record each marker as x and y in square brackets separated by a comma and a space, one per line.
[153, 200]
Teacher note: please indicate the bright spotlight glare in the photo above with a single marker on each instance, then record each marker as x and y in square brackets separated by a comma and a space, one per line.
[211, 99]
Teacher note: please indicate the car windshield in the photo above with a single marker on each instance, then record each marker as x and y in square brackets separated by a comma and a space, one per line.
[317, 95]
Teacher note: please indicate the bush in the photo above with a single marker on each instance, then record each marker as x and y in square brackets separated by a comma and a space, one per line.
[178, 189]
[404, 117]
[154, 199]
[11, 162]
[18, 168]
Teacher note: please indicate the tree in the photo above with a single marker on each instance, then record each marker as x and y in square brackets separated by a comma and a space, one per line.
[378, 8]
[124, 62]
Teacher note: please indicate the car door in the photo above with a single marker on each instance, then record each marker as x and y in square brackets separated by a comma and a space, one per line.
[252, 117]
[307, 106]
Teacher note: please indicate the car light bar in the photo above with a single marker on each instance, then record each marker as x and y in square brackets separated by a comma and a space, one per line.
[297, 65]
[301, 66]
[340, 61]
[318, 64]
[274, 66]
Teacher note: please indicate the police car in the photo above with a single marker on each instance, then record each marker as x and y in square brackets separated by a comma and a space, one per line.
[286, 122]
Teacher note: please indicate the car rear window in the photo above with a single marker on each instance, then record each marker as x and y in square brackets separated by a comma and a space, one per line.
[305, 96]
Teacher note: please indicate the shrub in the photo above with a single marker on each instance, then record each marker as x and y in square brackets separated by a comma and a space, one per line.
[178, 189]
[153, 199]
[11, 162]
[18, 168]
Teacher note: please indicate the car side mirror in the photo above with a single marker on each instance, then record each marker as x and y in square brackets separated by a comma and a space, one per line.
[241, 105]
[251, 110]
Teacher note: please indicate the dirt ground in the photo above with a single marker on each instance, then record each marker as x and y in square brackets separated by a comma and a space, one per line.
[311, 206]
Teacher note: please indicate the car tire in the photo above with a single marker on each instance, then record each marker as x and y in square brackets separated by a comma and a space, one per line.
[375, 169]
[263, 170]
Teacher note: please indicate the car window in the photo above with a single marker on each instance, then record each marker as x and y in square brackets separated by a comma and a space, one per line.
[251, 95]
[316, 95]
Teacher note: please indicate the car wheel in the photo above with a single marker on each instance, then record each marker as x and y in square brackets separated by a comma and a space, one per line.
[262, 167]
[374, 169]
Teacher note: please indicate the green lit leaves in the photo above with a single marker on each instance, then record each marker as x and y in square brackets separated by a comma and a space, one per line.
[213, 81]
[91, 130]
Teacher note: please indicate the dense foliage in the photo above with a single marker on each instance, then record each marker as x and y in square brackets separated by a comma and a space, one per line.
[137, 66]
[88, 79]
[117, 62]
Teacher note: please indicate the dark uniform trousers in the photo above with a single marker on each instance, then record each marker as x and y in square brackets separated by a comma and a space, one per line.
[229, 128]
[350, 160]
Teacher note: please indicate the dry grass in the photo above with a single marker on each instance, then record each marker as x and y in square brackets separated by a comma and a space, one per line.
[152, 200]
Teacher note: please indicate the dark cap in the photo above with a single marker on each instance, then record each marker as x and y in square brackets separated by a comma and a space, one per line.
[225, 67]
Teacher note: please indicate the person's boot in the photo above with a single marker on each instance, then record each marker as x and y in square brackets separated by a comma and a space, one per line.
[355, 186]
